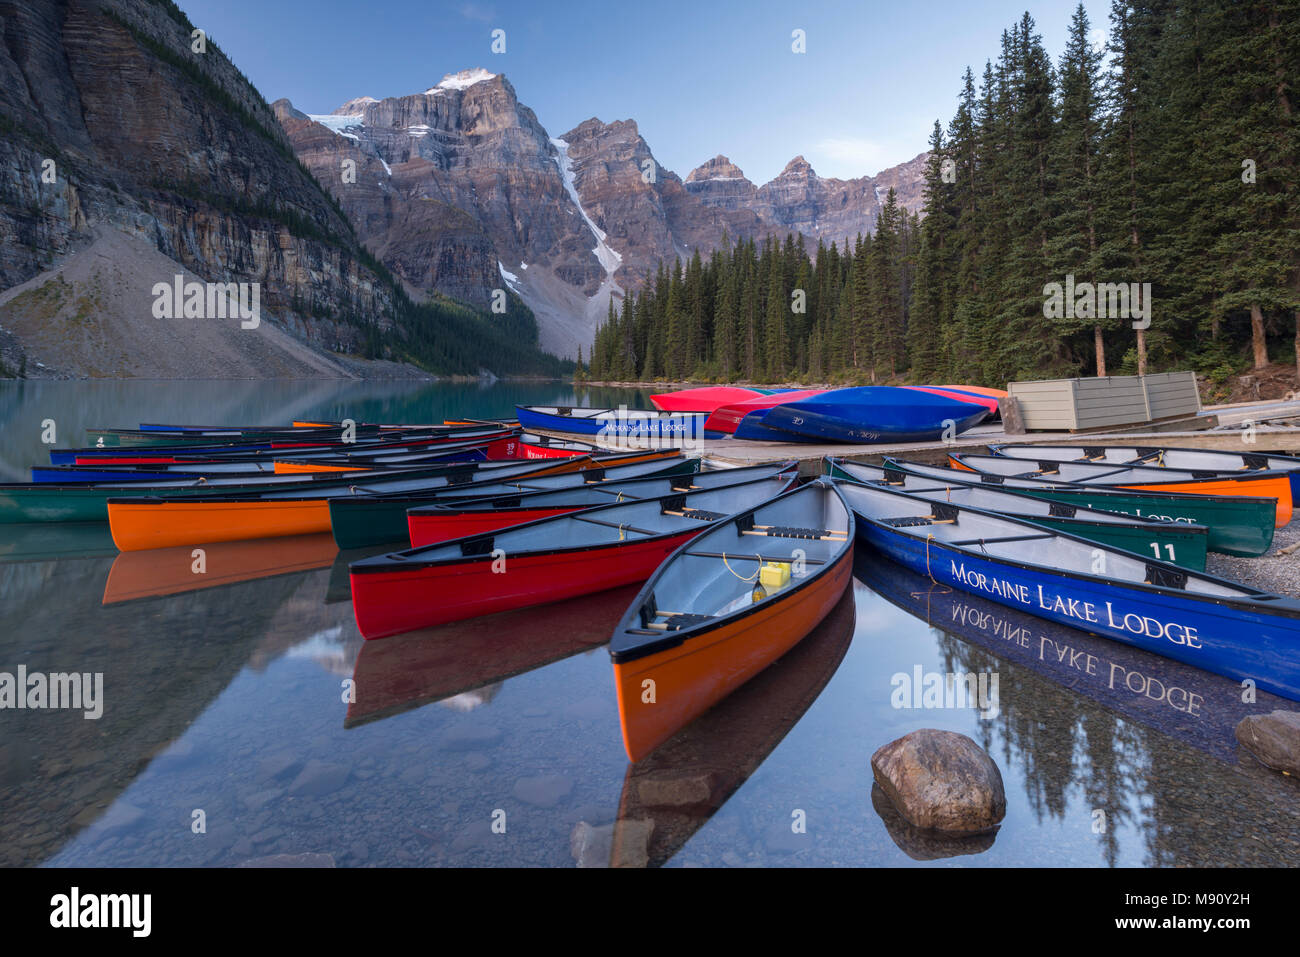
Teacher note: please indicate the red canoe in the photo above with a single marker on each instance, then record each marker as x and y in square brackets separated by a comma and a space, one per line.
[725, 418]
[435, 523]
[985, 401]
[704, 399]
[540, 562]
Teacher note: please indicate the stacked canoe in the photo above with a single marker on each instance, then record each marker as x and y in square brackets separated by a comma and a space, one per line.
[856, 415]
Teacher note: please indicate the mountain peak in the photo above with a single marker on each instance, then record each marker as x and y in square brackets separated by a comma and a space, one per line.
[462, 80]
[717, 168]
[798, 167]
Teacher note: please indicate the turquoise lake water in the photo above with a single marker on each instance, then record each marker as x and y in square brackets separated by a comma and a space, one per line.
[226, 734]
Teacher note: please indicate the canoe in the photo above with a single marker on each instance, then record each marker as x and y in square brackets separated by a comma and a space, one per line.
[615, 423]
[876, 414]
[87, 501]
[254, 466]
[543, 561]
[115, 438]
[410, 671]
[700, 628]
[1236, 525]
[1162, 457]
[973, 398]
[753, 426]
[723, 747]
[1180, 543]
[704, 399]
[362, 521]
[979, 390]
[147, 522]
[1193, 617]
[443, 521]
[727, 418]
[1275, 485]
[171, 571]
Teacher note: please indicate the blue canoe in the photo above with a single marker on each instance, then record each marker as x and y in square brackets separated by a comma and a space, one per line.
[617, 423]
[753, 426]
[1189, 616]
[875, 414]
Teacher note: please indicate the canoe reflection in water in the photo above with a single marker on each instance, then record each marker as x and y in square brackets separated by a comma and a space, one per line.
[1196, 707]
[456, 660]
[670, 794]
[172, 571]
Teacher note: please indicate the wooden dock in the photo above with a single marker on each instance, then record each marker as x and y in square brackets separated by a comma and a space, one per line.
[1234, 428]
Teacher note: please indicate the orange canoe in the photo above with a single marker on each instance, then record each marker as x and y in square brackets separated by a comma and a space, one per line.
[166, 523]
[1140, 478]
[699, 630]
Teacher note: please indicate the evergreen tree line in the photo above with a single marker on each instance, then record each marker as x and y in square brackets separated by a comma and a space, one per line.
[1148, 184]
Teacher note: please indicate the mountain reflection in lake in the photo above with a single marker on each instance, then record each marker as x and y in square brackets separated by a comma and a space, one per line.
[246, 718]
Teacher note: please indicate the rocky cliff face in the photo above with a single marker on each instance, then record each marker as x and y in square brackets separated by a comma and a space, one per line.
[800, 201]
[111, 119]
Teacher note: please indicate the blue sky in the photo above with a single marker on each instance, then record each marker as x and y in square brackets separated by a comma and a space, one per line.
[700, 78]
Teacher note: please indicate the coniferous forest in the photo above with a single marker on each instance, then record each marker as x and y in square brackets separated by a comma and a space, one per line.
[1167, 155]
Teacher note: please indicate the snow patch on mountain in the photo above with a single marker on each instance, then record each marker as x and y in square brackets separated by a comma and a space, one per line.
[609, 259]
[336, 123]
[461, 81]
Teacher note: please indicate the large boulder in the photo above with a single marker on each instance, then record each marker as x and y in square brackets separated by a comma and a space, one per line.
[1274, 739]
[941, 781]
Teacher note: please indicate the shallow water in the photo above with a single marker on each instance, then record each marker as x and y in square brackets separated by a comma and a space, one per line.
[226, 706]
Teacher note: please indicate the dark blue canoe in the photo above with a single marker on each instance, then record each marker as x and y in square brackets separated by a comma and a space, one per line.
[1189, 616]
[875, 414]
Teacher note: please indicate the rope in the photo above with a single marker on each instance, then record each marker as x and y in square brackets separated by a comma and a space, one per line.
[621, 534]
[737, 574]
[934, 580]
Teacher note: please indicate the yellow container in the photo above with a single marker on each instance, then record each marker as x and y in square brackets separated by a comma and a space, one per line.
[774, 575]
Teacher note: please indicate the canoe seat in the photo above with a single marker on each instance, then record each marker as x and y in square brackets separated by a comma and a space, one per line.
[676, 621]
[907, 521]
[1166, 577]
[703, 514]
[789, 531]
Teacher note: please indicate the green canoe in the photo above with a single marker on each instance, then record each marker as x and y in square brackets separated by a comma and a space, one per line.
[21, 503]
[375, 519]
[1177, 542]
[1238, 525]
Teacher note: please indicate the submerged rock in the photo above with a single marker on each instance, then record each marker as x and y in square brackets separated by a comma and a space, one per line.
[926, 845]
[941, 781]
[1274, 739]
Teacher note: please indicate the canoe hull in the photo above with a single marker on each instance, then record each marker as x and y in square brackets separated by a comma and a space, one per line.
[690, 678]
[428, 529]
[164, 524]
[876, 414]
[1210, 635]
[677, 425]
[391, 602]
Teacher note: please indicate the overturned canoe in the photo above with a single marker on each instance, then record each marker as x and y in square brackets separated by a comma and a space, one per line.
[727, 605]
[1181, 543]
[1275, 485]
[1236, 524]
[704, 399]
[876, 414]
[727, 418]
[539, 562]
[1193, 617]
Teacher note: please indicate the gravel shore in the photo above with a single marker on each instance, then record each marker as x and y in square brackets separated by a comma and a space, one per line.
[1272, 572]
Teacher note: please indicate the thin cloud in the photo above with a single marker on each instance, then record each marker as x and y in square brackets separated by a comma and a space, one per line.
[475, 11]
[848, 156]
